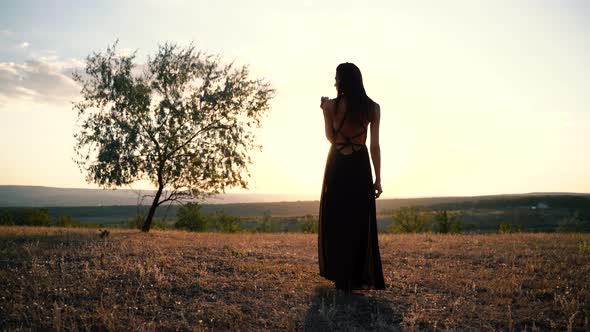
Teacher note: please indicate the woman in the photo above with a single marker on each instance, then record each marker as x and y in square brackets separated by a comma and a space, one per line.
[347, 237]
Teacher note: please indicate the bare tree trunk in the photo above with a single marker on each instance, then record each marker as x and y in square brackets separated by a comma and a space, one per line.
[150, 216]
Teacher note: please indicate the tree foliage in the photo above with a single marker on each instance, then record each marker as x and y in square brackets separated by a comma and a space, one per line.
[309, 224]
[447, 222]
[36, 217]
[65, 221]
[573, 223]
[411, 219]
[266, 225]
[189, 217]
[186, 122]
[225, 223]
[6, 218]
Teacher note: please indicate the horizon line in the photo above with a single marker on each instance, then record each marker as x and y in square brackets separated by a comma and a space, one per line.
[307, 194]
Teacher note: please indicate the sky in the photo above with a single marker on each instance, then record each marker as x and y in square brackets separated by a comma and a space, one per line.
[477, 97]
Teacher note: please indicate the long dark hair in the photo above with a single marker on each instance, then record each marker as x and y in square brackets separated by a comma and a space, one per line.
[350, 86]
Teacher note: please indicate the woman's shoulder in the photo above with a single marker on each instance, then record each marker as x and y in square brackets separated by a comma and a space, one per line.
[374, 110]
[329, 104]
[372, 104]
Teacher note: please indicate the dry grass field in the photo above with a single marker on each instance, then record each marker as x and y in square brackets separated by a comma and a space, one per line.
[71, 279]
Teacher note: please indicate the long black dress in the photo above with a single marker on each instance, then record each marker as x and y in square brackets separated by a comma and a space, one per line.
[347, 238]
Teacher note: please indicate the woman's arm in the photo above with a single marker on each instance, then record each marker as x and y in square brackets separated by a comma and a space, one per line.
[326, 106]
[375, 149]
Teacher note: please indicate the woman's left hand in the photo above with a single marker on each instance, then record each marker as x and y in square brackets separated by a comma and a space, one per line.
[322, 101]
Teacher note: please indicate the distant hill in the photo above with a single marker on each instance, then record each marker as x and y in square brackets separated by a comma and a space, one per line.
[538, 212]
[38, 196]
[554, 199]
[97, 204]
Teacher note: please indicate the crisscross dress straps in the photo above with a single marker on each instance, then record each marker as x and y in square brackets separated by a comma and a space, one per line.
[342, 145]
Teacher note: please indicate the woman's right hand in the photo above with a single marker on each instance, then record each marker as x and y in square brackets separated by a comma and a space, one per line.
[322, 101]
[378, 189]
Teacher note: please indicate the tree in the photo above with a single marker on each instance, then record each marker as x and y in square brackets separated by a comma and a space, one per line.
[266, 225]
[225, 223]
[6, 218]
[447, 222]
[505, 228]
[185, 123]
[410, 219]
[309, 224]
[36, 217]
[572, 223]
[189, 217]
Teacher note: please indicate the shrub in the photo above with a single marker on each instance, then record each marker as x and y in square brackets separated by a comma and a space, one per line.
[309, 224]
[411, 219]
[572, 223]
[6, 218]
[266, 225]
[505, 228]
[447, 222]
[584, 247]
[65, 221]
[189, 217]
[137, 222]
[225, 223]
[161, 224]
[36, 217]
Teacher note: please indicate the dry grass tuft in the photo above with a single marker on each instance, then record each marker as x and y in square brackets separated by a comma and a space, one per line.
[72, 279]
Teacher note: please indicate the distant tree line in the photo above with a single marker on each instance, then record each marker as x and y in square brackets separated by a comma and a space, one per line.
[189, 217]
[555, 201]
[34, 217]
[421, 219]
[192, 217]
[408, 219]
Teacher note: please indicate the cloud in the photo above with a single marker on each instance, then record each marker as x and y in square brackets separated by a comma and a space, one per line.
[41, 79]
[24, 44]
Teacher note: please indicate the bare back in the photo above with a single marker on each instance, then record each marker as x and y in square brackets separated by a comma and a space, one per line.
[349, 128]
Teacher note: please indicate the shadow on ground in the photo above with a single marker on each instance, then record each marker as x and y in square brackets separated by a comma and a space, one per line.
[334, 310]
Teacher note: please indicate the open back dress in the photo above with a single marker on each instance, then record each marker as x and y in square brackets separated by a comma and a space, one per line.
[348, 250]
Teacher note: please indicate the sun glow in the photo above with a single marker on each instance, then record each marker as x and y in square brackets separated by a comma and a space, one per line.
[476, 98]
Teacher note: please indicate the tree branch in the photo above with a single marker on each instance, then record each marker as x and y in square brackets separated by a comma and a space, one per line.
[152, 138]
[175, 196]
[208, 127]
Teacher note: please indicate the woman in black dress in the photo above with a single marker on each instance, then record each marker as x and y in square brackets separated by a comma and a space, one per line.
[347, 238]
